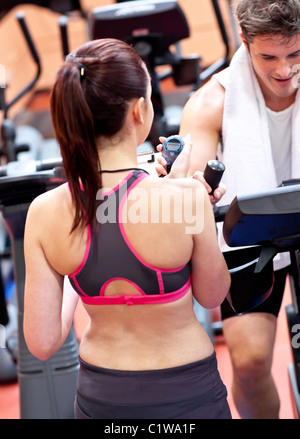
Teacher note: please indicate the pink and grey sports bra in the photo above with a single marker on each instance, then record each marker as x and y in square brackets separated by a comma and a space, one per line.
[109, 256]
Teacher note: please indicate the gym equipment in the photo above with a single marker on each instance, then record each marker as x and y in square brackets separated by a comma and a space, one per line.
[8, 132]
[12, 148]
[271, 221]
[47, 388]
[24, 143]
[20, 182]
[224, 61]
[61, 6]
[213, 173]
[151, 28]
[155, 29]
[271, 218]
[19, 146]
[8, 366]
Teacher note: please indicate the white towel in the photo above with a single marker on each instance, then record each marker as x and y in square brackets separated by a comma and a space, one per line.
[247, 152]
[247, 147]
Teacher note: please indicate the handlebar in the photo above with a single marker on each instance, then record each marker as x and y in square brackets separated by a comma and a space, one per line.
[62, 7]
[20, 16]
[220, 213]
[45, 165]
[224, 61]
[63, 22]
[30, 167]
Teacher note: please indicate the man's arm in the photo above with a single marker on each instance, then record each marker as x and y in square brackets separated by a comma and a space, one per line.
[202, 119]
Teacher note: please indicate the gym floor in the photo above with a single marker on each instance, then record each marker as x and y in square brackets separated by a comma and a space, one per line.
[205, 40]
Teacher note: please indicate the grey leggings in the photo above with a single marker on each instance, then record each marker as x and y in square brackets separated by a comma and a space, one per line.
[192, 391]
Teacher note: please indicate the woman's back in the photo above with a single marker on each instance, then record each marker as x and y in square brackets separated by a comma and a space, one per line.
[158, 217]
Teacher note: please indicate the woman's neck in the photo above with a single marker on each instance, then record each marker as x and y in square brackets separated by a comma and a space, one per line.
[118, 156]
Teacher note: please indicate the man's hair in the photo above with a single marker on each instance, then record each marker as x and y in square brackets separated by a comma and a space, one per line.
[268, 17]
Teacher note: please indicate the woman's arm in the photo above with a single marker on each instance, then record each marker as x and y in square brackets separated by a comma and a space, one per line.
[210, 276]
[48, 313]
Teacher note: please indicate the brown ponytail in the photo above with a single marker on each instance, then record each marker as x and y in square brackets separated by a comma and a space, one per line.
[89, 99]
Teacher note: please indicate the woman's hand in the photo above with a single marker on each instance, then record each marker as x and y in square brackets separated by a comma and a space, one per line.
[180, 169]
[160, 165]
[180, 166]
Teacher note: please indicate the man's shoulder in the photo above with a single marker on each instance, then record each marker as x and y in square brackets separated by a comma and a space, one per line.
[209, 97]
[212, 88]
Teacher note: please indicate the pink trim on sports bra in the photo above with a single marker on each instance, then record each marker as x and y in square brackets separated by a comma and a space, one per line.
[86, 252]
[116, 188]
[88, 243]
[102, 290]
[73, 278]
[128, 243]
[135, 299]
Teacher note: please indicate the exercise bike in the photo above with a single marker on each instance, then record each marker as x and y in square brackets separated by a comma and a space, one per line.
[60, 6]
[20, 182]
[270, 221]
[11, 149]
[155, 29]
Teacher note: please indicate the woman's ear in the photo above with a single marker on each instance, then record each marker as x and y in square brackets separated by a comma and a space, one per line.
[138, 110]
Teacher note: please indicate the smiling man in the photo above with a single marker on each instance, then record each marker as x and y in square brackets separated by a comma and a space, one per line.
[273, 61]
[248, 115]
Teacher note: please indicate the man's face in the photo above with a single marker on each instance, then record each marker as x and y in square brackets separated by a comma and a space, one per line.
[275, 62]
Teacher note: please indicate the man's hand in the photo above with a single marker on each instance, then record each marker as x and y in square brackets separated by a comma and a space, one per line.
[218, 192]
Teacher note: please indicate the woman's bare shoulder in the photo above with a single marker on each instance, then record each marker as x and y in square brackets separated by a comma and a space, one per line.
[50, 207]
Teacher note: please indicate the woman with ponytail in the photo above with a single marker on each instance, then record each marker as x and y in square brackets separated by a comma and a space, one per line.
[135, 248]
